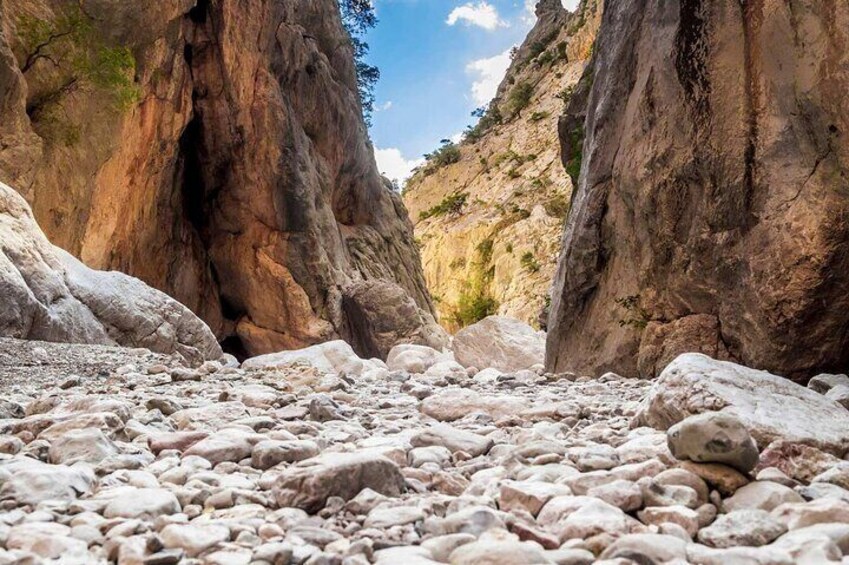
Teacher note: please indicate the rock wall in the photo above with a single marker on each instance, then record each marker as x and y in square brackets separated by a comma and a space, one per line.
[712, 211]
[505, 236]
[238, 178]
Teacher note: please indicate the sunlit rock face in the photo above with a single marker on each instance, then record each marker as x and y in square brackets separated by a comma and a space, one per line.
[236, 176]
[489, 224]
[711, 211]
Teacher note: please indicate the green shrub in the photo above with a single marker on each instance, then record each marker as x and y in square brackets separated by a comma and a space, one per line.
[472, 307]
[451, 204]
[539, 116]
[484, 250]
[476, 302]
[513, 173]
[457, 263]
[557, 206]
[635, 316]
[566, 95]
[447, 154]
[487, 119]
[519, 98]
[573, 165]
[541, 183]
[529, 262]
[80, 60]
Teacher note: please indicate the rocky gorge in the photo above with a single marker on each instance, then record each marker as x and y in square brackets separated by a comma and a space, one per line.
[321, 457]
[218, 344]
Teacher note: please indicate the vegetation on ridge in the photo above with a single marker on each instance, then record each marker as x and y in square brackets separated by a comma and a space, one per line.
[451, 204]
[80, 60]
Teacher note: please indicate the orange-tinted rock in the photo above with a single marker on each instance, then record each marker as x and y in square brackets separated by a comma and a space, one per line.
[242, 182]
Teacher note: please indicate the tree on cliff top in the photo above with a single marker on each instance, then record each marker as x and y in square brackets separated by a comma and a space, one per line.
[358, 17]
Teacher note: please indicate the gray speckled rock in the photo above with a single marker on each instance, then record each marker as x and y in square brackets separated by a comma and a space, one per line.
[769, 406]
[742, 527]
[714, 437]
[310, 483]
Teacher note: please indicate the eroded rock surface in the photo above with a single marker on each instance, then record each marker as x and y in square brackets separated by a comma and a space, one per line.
[234, 172]
[710, 214]
[503, 202]
[771, 408]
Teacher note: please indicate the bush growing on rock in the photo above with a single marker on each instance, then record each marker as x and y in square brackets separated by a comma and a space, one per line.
[519, 98]
[451, 204]
[80, 59]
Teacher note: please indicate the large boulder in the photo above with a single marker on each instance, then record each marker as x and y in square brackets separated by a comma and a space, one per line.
[380, 315]
[710, 211]
[331, 357]
[47, 294]
[501, 343]
[415, 358]
[770, 407]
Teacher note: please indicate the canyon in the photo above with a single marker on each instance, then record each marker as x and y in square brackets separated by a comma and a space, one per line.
[218, 344]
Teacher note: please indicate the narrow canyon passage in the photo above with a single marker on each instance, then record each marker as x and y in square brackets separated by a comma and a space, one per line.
[603, 319]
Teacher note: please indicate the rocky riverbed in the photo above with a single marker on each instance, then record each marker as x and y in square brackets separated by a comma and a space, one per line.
[116, 455]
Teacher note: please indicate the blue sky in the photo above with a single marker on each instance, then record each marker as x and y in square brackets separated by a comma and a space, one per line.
[439, 60]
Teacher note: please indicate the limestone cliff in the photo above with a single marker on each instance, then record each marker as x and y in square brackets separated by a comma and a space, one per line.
[488, 212]
[712, 211]
[213, 148]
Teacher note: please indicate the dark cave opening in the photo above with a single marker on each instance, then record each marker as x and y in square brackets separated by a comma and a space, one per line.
[193, 187]
[234, 346]
[199, 12]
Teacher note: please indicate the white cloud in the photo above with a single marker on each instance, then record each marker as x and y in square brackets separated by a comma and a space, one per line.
[489, 74]
[481, 14]
[392, 164]
[383, 107]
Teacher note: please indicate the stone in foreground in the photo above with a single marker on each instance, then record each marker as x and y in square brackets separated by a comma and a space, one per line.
[714, 437]
[770, 407]
[310, 483]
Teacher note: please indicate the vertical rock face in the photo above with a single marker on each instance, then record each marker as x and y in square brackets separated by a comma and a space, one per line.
[712, 212]
[490, 223]
[240, 180]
